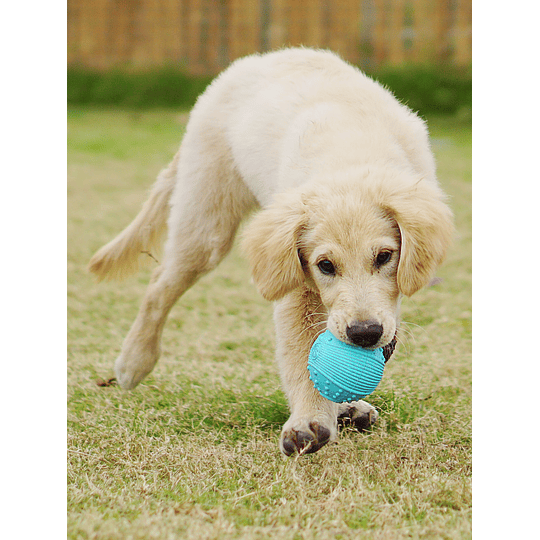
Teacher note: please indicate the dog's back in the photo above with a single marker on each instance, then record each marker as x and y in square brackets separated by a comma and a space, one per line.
[281, 114]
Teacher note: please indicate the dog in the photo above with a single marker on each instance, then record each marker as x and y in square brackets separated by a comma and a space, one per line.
[349, 218]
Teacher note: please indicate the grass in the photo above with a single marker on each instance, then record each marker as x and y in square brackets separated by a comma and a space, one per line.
[192, 452]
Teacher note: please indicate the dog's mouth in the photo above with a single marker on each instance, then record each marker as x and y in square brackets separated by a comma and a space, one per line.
[388, 350]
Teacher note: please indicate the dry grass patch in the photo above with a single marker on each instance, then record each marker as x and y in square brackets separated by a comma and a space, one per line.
[192, 453]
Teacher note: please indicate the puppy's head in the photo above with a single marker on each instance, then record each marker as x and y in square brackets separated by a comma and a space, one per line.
[360, 243]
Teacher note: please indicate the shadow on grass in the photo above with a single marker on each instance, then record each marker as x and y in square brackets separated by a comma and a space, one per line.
[227, 414]
[231, 414]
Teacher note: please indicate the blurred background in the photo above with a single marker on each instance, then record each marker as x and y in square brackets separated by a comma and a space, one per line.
[139, 52]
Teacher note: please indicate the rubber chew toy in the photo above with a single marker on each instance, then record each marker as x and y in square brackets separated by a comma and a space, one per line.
[343, 372]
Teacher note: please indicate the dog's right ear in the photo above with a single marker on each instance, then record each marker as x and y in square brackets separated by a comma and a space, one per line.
[271, 243]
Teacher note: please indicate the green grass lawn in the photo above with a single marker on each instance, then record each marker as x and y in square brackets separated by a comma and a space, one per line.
[192, 452]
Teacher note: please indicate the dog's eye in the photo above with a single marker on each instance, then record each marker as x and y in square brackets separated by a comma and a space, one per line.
[383, 258]
[327, 267]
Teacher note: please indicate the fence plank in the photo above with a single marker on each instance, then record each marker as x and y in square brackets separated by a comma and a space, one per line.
[206, 35]
[462, 33]
[394, 33]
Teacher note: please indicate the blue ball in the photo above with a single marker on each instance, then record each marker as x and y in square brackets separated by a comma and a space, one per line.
[343, 372]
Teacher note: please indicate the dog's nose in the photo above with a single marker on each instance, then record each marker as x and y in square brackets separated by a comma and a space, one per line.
[364, 333]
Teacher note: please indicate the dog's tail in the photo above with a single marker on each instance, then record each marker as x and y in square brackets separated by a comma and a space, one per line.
[120, 257]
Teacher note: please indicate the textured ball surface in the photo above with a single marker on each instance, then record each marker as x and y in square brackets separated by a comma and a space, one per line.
[343, 372]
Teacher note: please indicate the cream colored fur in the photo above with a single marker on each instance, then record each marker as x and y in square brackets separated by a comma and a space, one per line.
[340, 171]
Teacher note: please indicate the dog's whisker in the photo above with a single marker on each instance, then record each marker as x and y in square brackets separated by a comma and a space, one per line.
[406, 336]
[314, 325]
[405, 333]
[405, 344]
[409, 325]
[412, 328]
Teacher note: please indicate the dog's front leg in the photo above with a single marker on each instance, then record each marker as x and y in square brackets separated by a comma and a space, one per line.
[299, 318]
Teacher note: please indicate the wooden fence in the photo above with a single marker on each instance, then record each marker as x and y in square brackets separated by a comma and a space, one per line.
[204, 36]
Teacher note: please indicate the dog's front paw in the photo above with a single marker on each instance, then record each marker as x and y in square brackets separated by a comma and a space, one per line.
[305, 437]
[358, 414]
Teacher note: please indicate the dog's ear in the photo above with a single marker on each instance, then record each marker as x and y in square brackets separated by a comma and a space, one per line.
[426, 227]
[271, 243]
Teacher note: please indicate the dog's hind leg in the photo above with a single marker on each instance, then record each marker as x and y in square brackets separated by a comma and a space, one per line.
[207, 206]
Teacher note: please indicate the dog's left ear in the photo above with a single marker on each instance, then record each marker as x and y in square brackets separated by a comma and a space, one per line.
[271, 243]
[426, 226]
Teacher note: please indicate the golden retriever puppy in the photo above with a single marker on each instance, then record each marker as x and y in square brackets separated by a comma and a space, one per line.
[350, 217]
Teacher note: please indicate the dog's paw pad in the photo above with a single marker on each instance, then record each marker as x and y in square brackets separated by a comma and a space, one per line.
[361, 420]
[305, 442]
